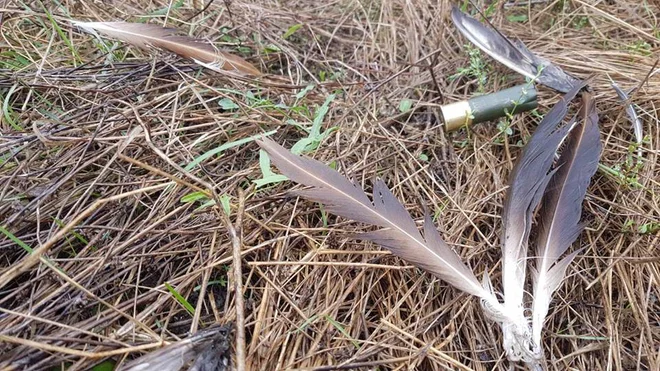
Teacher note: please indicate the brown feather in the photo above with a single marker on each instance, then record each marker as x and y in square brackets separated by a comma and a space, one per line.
[401, 236]
[201, 51]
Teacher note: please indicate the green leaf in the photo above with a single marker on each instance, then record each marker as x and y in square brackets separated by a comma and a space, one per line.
[343, 331]
[195, 196]
[423, 157]
[15, 239]
[180, 299]
[300, 146]
[206, 204]
[320, 115]
[405, 105]
[108, 365]
[271, 48]
[519, 18]
[227, 104]
[291, 31]
[226, 206]
[301, 94]
[649, 228]
[8, 111]
[268, 177]
[225, 147]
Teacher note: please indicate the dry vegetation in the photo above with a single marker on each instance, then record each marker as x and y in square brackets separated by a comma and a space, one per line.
[95, 145]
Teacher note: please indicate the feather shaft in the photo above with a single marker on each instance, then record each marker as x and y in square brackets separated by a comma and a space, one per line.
[201, 51]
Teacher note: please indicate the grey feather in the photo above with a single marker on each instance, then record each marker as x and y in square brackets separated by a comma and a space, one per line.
[205, 349]
[561, 210]
[527, 183]
[513, 55]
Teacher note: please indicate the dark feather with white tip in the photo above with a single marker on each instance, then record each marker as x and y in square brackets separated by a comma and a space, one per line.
[561, 210]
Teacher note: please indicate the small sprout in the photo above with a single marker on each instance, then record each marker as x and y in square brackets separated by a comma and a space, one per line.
[649, 228]
[226, 206]
[517, 18]
[504, 126]
[291, 31]
[477, 69]
[227, 104]
[405, 105]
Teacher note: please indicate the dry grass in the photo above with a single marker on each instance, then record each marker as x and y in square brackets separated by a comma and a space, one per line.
[94, 144]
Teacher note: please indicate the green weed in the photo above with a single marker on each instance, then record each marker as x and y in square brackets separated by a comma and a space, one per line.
[305, 145]
[477, 68]
[180, 299]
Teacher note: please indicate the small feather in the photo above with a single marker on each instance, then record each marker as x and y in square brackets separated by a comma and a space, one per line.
[143, 35]
[204, 348]
[632, 114]
[513, 55]
[561, 210]
[401, 236]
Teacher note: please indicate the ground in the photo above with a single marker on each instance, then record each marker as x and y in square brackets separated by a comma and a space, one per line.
[118, 164]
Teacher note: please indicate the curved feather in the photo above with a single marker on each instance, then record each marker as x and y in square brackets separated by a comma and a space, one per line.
[561, 210]
[401, 236]
[513, 55]
[201, 51]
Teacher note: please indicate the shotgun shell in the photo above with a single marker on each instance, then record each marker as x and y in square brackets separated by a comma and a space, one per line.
[488, 107]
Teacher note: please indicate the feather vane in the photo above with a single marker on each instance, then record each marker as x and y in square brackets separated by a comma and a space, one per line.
[513, 55]
[201, 51]
[561, 210]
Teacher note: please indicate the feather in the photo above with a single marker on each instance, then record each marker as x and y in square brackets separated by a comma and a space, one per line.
[201, 51]
[205, 347]
[561, 210]
[401, 236]
[632, 114]
[527, 183]
[513, 55]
